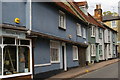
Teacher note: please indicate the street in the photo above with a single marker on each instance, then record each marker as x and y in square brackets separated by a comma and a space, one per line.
[110, 71]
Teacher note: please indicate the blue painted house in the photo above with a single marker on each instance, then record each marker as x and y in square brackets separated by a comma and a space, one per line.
[61, 38]
[40, 38]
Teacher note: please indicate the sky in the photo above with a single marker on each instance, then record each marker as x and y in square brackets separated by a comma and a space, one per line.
[106, 5]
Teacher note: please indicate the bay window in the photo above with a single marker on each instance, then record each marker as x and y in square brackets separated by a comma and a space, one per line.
[16, 56]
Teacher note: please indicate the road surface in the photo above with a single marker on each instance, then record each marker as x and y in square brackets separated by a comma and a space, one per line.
[110, 71]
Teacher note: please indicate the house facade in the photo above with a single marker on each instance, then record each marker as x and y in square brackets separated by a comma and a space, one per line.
[40, 39]
[44, 37]
[114, 23]
[107, 38]
[65, 47]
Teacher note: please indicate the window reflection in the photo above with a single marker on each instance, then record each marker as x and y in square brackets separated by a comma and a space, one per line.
[10, 60]
[24, 59]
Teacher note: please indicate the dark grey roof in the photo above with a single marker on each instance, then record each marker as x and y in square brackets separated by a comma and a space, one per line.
[110, 18]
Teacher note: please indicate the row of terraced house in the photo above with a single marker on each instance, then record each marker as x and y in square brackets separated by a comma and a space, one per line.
[38, 39]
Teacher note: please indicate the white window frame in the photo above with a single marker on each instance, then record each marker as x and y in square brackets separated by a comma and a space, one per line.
[108, 35]
[75, 53]
[17, 74]
[93, 31]
[100, 33]
[93, 50]
[58, 61]
[84, 32]
[62, 24]
[79, 32]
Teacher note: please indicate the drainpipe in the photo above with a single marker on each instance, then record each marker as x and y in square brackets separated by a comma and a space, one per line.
[0, 11]
[30, 8]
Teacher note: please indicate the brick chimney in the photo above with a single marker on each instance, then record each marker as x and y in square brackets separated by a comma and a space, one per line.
[98, 12]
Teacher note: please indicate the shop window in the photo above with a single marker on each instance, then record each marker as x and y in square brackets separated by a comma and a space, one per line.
[0, 60]
[24, 42]
[0, 40]
[10, 60]
[8, 40]
[24, 59]
[16, 59]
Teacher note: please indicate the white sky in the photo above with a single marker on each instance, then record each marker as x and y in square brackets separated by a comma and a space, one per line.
[107, 5]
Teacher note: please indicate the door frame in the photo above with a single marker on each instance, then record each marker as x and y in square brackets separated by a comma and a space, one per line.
[65, 57]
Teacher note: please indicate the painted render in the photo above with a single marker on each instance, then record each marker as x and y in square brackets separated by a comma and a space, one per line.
[45, 23]
[45, 20]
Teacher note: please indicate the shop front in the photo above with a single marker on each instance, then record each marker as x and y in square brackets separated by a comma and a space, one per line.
[15, 54]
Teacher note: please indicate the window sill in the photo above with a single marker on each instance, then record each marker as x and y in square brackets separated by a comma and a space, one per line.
[75, 59]
[62, 28]
[16, 75]
[84, 37]
[55, 62]
[93, 36]
[79, 35]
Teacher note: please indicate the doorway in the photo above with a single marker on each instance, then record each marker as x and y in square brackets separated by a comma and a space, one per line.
[64, 59]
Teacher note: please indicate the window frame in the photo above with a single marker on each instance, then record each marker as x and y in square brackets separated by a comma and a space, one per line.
[61, 13]
[75, 55]
[16, 74]
[100, 33]
[84, 32]
[79, 30]
[56, 42]
[100, 50]
[93, 50]
[93, 31]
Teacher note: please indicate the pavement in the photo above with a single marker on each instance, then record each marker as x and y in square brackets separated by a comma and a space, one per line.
[82, 70]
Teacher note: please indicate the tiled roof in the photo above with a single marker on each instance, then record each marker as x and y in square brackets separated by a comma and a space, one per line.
[68, 7]
[83, 3]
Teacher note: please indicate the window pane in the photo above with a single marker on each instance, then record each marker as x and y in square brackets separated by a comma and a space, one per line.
[54, 54]
[24, 42]
[10, 60]
[8, 40]
[24, 59]
[0, 40]
[0, 60]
